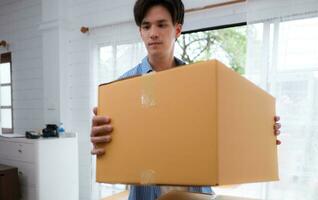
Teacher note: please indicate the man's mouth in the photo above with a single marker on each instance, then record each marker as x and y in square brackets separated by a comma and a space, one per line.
[154, 43]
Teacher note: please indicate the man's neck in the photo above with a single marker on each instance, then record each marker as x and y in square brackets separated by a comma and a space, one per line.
[161, 63]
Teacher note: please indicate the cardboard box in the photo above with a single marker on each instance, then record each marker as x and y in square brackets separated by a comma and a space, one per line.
[200, 124]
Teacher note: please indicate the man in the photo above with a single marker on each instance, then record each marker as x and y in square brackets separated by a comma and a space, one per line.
[160, 24]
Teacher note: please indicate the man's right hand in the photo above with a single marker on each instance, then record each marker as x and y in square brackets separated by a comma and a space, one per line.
[100, 132]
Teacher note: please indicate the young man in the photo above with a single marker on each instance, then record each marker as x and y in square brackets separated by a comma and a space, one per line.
[160, 24]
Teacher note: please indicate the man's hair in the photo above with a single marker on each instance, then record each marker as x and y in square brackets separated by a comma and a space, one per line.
[175, 8]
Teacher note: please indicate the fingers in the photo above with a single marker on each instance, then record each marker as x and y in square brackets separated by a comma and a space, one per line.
[95, 113]
[277, 118]
[98, 151]
[101, 130]
[95, 110]
[100, 120]
[101, 139]
[277, 126]
[277, 132]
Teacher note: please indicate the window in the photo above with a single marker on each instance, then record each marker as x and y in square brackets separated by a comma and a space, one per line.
[115, 60]
[292, 67]
[6, 93]
[227, 44]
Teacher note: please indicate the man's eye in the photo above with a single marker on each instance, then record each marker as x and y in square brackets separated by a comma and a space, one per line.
[145, 27]
[162, 25]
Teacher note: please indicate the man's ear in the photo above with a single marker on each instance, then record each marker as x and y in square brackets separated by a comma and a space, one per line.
[178, 30]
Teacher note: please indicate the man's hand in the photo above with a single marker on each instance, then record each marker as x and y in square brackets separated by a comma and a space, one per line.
[276, 128]
[100, 132]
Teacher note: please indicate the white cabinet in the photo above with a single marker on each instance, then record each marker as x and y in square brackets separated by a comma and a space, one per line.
[48, 168]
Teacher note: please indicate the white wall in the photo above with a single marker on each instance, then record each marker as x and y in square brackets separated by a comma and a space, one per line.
[19, 21]
[79, 105]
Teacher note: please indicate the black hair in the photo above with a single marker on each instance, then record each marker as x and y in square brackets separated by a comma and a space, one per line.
[175, 8]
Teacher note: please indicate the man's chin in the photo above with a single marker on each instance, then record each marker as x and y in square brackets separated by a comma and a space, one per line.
[156, 53]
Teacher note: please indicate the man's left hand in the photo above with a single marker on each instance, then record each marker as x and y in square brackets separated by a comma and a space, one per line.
[277, 126]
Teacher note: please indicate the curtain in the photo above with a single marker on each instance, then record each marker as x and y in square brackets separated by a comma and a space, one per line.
[282, 58]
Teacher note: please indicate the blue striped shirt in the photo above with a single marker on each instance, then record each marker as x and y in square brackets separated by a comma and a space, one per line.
[152, 192]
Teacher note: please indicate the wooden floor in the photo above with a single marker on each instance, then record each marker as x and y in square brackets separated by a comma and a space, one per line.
[119, 196]
[222, 197]
[124, 196]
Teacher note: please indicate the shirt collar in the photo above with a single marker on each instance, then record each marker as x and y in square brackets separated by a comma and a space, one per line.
[146, 67]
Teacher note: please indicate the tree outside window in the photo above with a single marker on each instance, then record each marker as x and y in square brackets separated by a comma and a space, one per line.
[227, 45]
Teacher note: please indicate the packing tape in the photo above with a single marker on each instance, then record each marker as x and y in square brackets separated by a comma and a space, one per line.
[148, 91]
[147, 177]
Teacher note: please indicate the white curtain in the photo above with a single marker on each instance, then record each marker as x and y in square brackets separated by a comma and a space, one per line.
[282, 58]
[114, 50]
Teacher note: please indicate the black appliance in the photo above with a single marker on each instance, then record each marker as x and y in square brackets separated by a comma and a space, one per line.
[51, 130]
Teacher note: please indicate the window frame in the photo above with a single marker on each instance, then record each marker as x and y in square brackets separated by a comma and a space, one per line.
[215, 28]
[7, 58]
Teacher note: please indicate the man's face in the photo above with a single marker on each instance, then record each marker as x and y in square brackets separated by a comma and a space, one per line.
[158, 31]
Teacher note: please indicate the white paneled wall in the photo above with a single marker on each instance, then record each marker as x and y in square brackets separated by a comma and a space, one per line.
[101, 12]
[19, 21]
[80, 109]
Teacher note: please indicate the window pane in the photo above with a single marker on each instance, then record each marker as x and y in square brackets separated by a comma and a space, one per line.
[227, 45]
[106, 61]
[128, 56]
[115, 60]
[6, 96]
[300, 37]
[6, 118]
[5, 73]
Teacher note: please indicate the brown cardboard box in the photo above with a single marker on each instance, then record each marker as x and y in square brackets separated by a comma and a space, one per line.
[200, 124]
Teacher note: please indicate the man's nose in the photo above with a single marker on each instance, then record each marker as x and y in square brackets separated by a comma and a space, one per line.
[153, 32]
